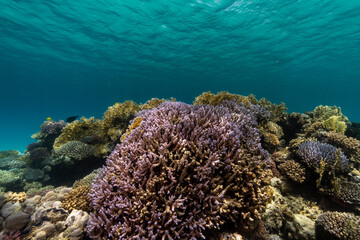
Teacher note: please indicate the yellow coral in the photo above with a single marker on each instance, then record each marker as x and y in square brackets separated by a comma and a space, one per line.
[15, 197]
[154, 102]
[117, 118]
[134, 125]
[216, 99]
[78, 199]
[334, 123]
[77, 130]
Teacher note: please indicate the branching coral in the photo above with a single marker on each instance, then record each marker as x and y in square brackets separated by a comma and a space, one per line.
[263, 109]
[345, 191]
[183, 170]
[293, 170]
[312, 153]
[49, 127]
[337, 225]
[351, 146]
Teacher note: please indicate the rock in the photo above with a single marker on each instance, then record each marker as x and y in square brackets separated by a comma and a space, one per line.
[34, 200]
[10, 208]
[1, 223]
[40, 235]
[56, 204]
[2, 200]
[60, 226]
[50, 196]
[76, 233]
[16, 221]
[48, 228]
[307, 225]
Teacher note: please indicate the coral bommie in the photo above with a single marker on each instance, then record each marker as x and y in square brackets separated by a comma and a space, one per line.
[183, 170]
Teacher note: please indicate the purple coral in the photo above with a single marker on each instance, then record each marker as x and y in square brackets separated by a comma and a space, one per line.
[183, 170]
[52, 128]
[312, 153]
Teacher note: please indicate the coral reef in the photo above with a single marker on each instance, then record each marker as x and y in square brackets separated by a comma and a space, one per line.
[116, 119]
[75, 151]
[154, 102]
[15, 197]
[345, 191]
[313, 153]
[78, 199]
[274, 113]
[331, 118]
[179, 171]
[77, 130]
[337, 225]
[186, 169]
[293, 170]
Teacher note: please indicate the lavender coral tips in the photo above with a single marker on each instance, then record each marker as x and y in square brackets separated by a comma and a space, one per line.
[183, 170]
[313, 152]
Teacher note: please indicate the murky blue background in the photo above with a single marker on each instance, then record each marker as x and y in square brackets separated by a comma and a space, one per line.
[63, 58]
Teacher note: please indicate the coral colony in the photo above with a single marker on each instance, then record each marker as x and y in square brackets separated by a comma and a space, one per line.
[225, 167]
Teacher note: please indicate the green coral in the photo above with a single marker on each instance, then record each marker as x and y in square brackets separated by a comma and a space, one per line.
[331, 118]
[9, 153]
[116, 119]
[335, 124]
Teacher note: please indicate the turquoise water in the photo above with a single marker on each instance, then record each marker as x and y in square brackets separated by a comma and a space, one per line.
[63, 58]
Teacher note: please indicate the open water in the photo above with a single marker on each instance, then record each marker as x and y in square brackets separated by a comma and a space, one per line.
[64, 58]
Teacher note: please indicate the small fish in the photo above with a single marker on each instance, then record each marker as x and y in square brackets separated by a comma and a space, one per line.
[71, 119]
[48, 118]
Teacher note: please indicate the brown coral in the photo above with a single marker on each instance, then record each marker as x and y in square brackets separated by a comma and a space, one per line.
[78, 199]
[337, 225]
[208, 98]
[154, 102]
[293, 170]
[135, 123]
[350, 146]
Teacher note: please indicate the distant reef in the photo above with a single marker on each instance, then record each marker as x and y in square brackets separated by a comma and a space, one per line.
[225, 167]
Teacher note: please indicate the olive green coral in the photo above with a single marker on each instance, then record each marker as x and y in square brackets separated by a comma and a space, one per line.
[77, 130]
[331, 118]
[116, 119]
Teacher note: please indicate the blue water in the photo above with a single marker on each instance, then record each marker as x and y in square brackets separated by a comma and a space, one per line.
[63, 58]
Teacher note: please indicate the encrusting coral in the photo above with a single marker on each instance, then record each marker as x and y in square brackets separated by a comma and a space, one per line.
[183, 170]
